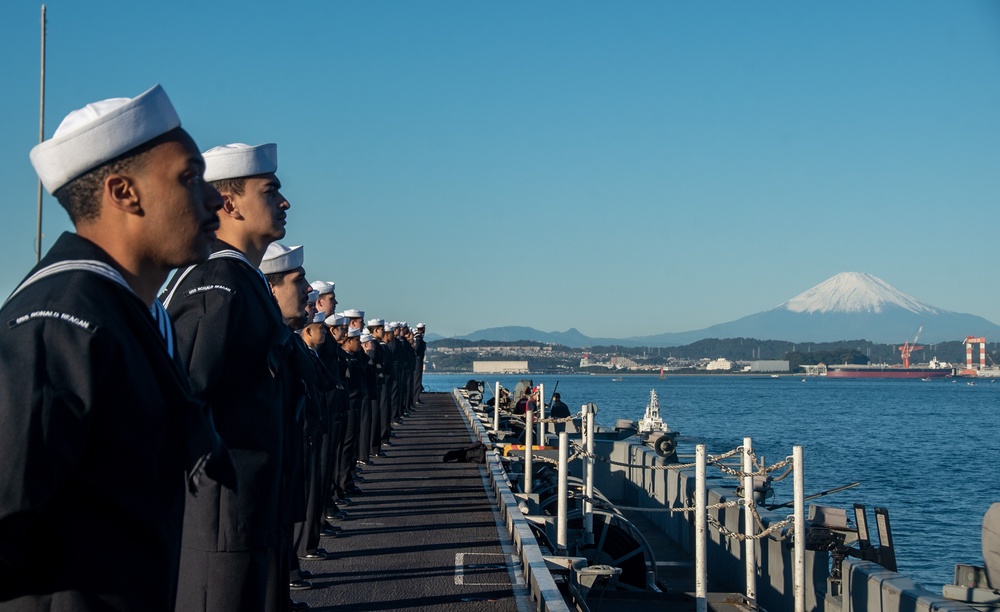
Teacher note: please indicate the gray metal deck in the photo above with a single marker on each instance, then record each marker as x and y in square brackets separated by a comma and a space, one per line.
[424, 534]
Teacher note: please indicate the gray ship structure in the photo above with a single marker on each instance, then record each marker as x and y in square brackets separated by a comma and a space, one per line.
[621, 519]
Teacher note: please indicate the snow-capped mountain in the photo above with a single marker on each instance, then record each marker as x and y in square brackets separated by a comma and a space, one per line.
[855, 292]
[848, 306]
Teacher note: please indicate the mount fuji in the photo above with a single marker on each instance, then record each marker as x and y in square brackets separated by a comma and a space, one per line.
[848, 306]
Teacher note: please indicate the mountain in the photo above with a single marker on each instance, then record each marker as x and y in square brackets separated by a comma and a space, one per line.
[848, 306]
[571, 337]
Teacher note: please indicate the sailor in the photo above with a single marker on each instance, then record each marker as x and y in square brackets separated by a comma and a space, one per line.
[97, 421]
[326, 301]
[367, 371]
[419, 349]
[355, 318]
[235, 343]
[382, 356]
[558, 410]
[392, 339]
[310, 308]
[282, 266]
[351, 375]
[314, 333]
[373, 348]
[409, 364]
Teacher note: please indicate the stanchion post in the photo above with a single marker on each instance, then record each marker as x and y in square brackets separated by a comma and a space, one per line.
[749, 524]
[588, 508]
[496, 409]
[799, 494]
[562, 508]
[541, 414]
[529, 441]
[700, 533]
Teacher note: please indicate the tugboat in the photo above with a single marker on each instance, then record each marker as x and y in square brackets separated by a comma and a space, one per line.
[653, 431]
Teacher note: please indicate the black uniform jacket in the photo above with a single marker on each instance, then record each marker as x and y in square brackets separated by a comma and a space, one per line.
[232, 339]
[97, 426]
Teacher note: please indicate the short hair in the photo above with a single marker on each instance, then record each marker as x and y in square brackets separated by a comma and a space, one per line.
[556, 396]
[81, 197]
[235, 186]
[276, 278]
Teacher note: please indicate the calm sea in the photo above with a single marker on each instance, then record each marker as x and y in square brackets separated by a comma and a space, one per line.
[926, 450]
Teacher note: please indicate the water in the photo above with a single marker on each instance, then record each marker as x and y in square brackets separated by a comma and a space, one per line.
[927, 451]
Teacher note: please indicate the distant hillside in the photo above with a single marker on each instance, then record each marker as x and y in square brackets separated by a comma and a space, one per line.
[571, 337]
[848, 305]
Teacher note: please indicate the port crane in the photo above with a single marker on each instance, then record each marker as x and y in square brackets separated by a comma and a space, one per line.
[908, 347]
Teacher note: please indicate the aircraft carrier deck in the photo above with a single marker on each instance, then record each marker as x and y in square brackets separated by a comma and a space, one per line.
[424, 534]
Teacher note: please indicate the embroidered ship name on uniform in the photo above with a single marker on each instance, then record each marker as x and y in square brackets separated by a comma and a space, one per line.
[52, 314]
[205, 288]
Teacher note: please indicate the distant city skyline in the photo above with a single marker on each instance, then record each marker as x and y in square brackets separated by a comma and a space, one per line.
[624, 170]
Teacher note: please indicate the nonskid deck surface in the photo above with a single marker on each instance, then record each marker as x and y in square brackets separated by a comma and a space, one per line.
[422, 535]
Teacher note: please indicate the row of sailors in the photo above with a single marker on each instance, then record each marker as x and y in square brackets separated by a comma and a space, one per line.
[178, 452]
[367, 376]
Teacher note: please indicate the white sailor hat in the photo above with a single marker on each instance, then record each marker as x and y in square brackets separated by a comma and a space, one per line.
[421, 326]
[354, 332]
[313, 296]
[238, 160]
[375, 323]
[280, 258]
[319, 317]
[403, 324]
[354, 313]
[323, 286]
[336, 320]
[366, 337]
[100, 132]
[390, 326]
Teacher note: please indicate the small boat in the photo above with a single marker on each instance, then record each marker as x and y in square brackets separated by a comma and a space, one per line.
[618, 379]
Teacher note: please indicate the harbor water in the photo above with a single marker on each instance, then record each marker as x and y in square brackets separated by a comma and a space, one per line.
[926, 450]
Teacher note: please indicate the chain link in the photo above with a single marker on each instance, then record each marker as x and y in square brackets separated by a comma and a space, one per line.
[598, 503]
[726, 532]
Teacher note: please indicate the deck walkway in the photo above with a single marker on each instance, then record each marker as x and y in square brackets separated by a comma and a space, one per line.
[424, 534]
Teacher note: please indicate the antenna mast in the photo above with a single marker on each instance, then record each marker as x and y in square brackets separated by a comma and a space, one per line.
[41, 138]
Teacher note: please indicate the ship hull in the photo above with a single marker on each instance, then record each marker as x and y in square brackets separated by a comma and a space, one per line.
[888, 373]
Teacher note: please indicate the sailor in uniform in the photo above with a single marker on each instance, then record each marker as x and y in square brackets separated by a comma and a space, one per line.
[97, 421]
[336, 400]
[326, 298]
[420, 349]
[383, 360]
[235, 344]
[282, 266]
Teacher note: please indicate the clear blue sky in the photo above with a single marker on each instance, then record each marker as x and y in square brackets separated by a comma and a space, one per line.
[622, 168]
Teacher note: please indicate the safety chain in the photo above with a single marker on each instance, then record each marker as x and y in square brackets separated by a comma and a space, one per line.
[560, 419]
[742, 536]
[712, 460]
[520, 417]
[543, 459]
[608, 506]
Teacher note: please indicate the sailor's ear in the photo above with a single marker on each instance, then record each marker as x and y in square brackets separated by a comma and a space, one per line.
[229, 207]
[122, 193]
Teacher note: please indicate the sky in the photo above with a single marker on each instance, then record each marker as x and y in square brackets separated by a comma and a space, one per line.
[622, 168]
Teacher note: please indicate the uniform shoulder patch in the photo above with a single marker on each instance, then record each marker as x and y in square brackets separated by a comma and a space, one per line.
[53, 314]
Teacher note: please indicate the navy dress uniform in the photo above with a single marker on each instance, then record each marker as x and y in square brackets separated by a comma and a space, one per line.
[99, 429]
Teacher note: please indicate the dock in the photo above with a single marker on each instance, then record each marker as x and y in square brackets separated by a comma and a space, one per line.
[424, 534]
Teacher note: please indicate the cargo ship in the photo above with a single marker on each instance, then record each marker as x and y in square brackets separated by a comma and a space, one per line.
[885, 371]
